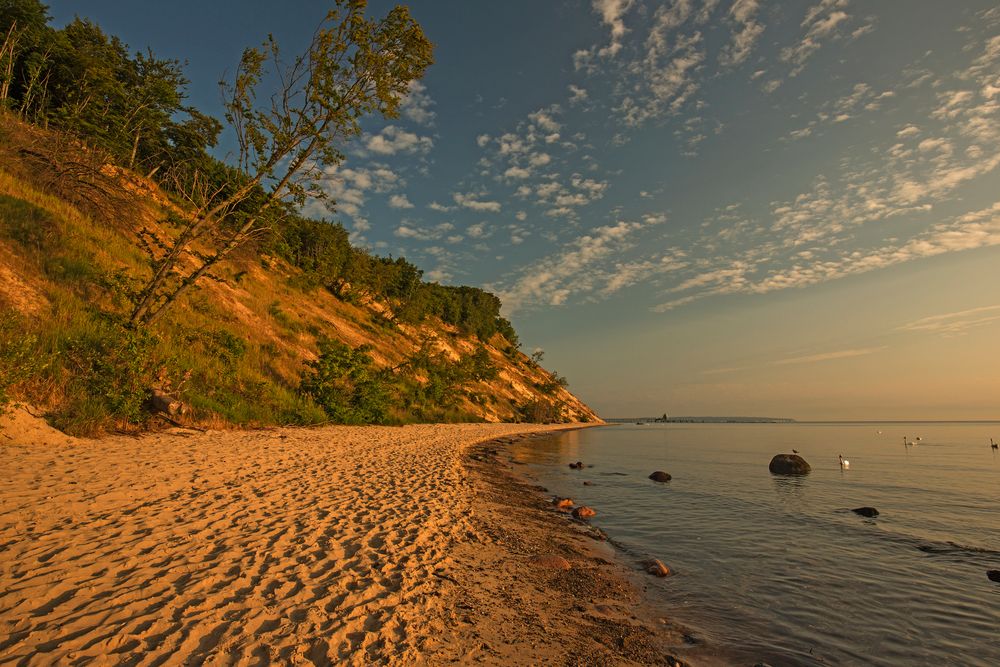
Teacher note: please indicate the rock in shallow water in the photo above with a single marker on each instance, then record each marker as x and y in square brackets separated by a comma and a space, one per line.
[869, 512]
[562, 503]
[993, 575]
[788, 464]
[583, 512]
[657, 567]
[660, 476]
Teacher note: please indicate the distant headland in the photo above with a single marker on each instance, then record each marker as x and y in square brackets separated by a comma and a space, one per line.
[664, 419]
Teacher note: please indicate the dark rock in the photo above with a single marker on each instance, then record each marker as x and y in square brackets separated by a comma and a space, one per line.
[577, 466]
[789, 464]
[588, 483]
[660, 476]
[869, 512]
[993, 575]
[583, 512]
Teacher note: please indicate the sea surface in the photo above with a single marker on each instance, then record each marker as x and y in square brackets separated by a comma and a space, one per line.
[779, 567]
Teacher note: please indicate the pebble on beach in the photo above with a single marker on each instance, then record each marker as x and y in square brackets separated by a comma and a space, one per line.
[551, 561]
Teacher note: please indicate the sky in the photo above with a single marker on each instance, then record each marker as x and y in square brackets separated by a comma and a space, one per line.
[698, 207]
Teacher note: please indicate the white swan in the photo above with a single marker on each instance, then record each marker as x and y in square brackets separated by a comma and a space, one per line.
[844, 463]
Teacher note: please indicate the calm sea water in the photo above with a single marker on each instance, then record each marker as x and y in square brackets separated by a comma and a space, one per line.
[781, 566]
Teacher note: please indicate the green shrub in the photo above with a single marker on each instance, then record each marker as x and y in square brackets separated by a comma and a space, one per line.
[110, 370]
[345, 382]
[19, 359]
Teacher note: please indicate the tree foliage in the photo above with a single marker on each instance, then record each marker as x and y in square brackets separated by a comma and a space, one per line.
[353, 67]
[347, 384]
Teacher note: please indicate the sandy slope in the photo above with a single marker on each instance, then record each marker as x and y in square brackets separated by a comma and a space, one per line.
[280, 546]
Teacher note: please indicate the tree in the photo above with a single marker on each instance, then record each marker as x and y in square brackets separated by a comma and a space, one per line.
[354, 66]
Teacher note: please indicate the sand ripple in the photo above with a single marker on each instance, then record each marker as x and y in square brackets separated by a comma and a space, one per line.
[295, 546]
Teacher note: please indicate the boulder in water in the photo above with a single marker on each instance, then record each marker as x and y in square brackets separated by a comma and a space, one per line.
[583, 512]
[657, 567]
[660, 476]
[789, 464]
[577, 466]
[869, 512]
[562, 503]
[993, 575]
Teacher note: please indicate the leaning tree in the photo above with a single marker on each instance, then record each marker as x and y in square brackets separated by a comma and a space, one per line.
[354, 66]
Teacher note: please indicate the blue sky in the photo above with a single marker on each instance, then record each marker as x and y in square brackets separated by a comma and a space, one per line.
[696, 206]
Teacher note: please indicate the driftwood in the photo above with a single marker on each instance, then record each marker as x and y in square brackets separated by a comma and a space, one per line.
[166, 404]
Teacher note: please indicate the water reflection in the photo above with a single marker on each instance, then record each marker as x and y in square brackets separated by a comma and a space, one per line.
[789, 488]
[549, 450]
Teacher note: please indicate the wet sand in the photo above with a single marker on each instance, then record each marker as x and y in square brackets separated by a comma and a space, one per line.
[338, 545]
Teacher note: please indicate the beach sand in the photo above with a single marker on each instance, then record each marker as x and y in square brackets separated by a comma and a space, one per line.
[338, 545]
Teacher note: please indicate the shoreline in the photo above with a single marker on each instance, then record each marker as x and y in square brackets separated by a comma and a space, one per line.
[336, 545]
[594, 612]
[600, 611]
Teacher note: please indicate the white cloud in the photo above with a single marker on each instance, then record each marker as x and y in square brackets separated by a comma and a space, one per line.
[392, 140]
[829, 356]
[821, 23]
[577, 94]
[543, 118]
[744, 14]
[472, 202]
[539, 159]
[477, 231]
[417, 104]
[440, 208]
[576, 269]
[664, 77]
[399, 201]
[612, 14]
[957, 323]
[516, 173]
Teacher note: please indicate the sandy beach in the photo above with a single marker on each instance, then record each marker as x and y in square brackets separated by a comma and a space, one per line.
[338, 545]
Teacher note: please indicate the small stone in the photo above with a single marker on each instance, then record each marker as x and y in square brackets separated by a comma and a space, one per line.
[552, 562]
[583, 512]
[993, 575]
[869, 512]
[660, 476]
[562, 503]
[657, 567]
[588, 483]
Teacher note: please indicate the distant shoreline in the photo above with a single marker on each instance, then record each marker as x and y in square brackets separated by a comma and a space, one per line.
[699, 420]
[782, 420]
